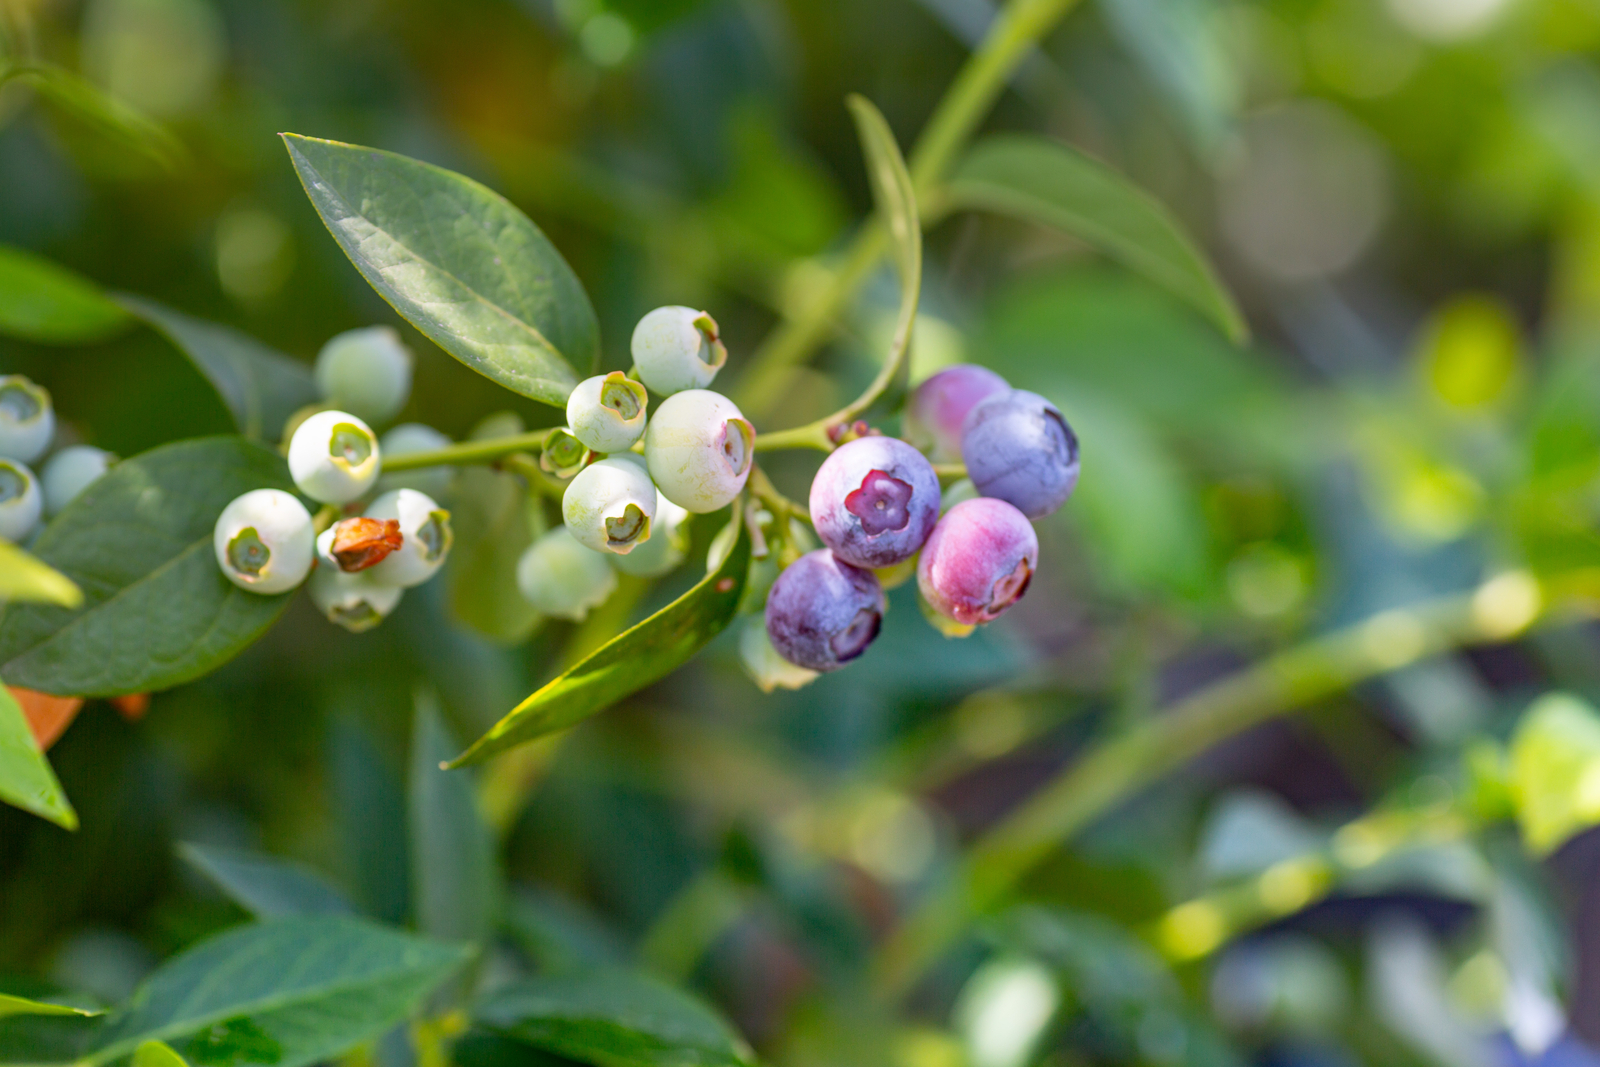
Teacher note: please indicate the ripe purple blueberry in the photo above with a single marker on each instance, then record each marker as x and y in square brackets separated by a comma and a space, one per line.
[822, 612]
[874, 501]
[978, 561]
[1019, 449]
[939, 406]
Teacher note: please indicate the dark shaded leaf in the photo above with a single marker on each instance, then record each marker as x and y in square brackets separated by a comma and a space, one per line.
[266, 886]
[43, 301]
[455, 883]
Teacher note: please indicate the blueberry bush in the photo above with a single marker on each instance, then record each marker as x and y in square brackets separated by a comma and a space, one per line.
[700, 533]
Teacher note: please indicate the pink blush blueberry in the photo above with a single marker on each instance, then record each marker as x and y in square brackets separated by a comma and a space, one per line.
[822, 612]
[874, 501]
[939, 406]
[978, 561]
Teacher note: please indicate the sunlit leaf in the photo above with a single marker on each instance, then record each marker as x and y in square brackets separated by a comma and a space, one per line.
[1042, 181]
[458, 261]
[25, 578]
[156, 610]
[1555, 770]
[260, 386]
[455, 884]
[157, 1054]
[266, 886]
[613, 1018]
[287, 992]
[10, 1005]
[43, 301]
[629, 662]
[104, 113]
[26, 780]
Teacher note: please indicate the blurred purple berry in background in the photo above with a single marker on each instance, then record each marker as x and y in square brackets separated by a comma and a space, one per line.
[1018, 448]
[938, 408]
[978, 562]
[822, 612]
[874, 501]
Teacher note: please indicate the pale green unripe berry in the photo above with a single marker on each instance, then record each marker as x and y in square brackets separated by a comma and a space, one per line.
[700, 450]
[610, 505]
[560, 577]
[607, 412]
[71, 471]
[334, 457]
[428, 537]
[21, 503]
[405, 439]
[677, 348]
[563, 454]
[265, 542]
[667, 547]
[27, 418]
[366, 372]
[355, 601]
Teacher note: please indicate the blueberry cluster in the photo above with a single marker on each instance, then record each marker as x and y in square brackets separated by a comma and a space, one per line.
[27, 431]
[876, 503]
[359, 557]
[635, 475]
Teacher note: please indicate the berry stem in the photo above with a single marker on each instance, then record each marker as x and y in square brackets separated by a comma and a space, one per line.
[1020, 24]
[469, 453]
[768, 494]
[1119, 767]
[538, 481]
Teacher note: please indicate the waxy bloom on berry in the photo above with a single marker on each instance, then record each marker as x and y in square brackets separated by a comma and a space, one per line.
[264, 541]
[677, 348]
[334, 457]
[425, 537]
[607, 412]
[700, 450]
[27, 419]
[355, 601]
[21, 503]
[366, 372]
[874, 501]
[938, 407]
[978, 561]
[71, 471]
[822, 612]
[560, 577]
[1019, 449]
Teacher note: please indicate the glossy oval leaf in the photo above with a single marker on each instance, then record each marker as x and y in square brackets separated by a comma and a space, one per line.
[44, 301]
[156, 609]
[613, 1018]
[1043, 181]
[287, 992]
[458, 261]
[26, 780]
[628, 662]
[26, 578]
[260, 386]
[896, 200]
[268, 887]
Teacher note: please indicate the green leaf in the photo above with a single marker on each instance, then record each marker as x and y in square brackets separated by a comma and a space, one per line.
[156, 610]
[105, 114]
[261, 387]
[266, 886]
[157, 1054]
[454, 878]
[287, 992]
[1555, 770]
[896, 201]
[459, 262]
[24, 578]
[43, 301]
[628, 662]
[26, 780]
[613, 1018]
[489, 512]
[1037, 180]
[10, 1005]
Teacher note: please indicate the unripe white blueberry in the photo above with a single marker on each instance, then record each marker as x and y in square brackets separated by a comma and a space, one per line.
[21, 503]
[563, 455]
[409, 438]
[334, 457]
[27, 418]
[607, 412]
[677, 348]
[355, 601]
[667, 547]
[71, 471]
[560, 577]
[700, 450]
[424, 525]
[264, 541]
[366, 372]
[610, 505]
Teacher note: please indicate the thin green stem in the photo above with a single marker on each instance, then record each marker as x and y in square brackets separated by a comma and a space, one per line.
[763, 489]
[1116, 769]
[468, 453]
[811, 435]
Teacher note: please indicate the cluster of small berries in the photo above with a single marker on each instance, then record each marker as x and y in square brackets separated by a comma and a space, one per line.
[636, 476]
[27, 430]
[876, 502]
[266, 540]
